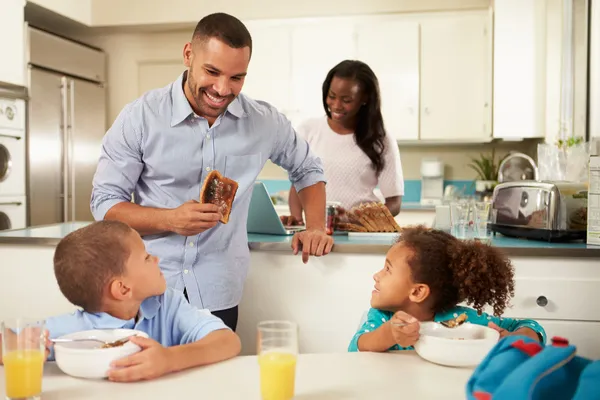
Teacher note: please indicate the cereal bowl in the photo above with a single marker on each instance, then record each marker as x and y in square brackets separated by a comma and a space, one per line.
[89, 359]
[463, 346]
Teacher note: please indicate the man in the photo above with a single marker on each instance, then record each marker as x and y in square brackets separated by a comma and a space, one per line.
[163, 145]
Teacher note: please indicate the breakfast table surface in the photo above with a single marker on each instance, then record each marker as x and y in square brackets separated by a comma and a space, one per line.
[319, 376]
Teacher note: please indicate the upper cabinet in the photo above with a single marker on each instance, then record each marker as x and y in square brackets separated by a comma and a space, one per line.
[456, 78]
[520, 69]
[12, 30]
[391, 49]
[316, 47]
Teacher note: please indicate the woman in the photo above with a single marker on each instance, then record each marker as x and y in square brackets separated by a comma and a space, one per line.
[357, 154]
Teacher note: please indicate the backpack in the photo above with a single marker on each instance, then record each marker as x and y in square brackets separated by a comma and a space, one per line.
[519, 367]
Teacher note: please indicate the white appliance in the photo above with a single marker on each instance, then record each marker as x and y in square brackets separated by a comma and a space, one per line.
[432, 181]
[12, 156]
[67, 120]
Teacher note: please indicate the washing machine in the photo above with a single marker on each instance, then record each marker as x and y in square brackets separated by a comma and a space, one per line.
[12, 147]
[13, 212]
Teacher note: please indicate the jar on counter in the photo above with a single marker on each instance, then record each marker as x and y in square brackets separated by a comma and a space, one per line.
[330, 214]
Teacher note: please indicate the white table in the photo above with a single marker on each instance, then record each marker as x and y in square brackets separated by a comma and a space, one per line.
[376, 376]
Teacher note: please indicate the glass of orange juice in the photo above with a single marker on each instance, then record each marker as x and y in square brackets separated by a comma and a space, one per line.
[277, 353]
[23, 353]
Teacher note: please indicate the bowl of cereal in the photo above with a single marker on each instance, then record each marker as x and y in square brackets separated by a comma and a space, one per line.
[463, 346]
[91, 359]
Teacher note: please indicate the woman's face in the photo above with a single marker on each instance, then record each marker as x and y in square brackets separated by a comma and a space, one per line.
[344, 100]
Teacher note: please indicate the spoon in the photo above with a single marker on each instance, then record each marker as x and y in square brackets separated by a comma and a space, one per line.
[449, 323]
[105, 344]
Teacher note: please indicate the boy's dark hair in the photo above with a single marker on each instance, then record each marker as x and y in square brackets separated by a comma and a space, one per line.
[87, 259]
[458, 271]
[227, 28]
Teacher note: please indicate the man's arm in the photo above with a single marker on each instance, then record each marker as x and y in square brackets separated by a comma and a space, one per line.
[313, 202]
[116, 177]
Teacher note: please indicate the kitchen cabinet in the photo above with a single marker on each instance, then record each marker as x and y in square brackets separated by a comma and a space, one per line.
[456, 77]
[269, 71]
[520, 70]
[12, 30]
[316, 48]
[391, 49]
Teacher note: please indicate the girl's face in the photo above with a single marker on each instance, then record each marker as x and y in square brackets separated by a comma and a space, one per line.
[394, 288]
[345, 98]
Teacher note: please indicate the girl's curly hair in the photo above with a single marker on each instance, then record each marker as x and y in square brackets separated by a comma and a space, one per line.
[459, 271]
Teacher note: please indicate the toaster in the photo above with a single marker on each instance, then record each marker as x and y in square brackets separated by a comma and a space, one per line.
[540, 210]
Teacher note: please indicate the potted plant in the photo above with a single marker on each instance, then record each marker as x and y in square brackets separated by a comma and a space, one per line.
[487, 172]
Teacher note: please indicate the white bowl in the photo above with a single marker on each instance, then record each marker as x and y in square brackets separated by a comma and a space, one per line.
[87, 359]
[463, 346]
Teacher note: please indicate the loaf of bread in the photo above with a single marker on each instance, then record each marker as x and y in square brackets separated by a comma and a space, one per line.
[370, 217]
[220, 191]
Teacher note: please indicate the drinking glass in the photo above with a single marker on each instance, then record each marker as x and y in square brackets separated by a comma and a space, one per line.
[277, 353]
[459, 218]
[23, 353]
[481, 218]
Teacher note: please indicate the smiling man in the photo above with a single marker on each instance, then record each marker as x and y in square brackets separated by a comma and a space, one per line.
[163, 145]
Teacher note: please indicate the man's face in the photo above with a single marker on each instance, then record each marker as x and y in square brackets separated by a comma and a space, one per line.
[216, 74]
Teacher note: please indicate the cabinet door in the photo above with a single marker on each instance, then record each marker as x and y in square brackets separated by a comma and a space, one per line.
[316, 48]
[12, 30]
[455, 77]
[391, 49]
[268, 76]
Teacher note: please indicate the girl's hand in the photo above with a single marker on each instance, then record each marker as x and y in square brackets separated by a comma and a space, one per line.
[405, 329]
[519, 332]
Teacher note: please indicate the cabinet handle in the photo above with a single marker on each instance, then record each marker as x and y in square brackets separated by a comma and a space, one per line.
[542, 301]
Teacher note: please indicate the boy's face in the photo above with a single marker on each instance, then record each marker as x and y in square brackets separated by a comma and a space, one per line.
[394, 288]
[142, 273]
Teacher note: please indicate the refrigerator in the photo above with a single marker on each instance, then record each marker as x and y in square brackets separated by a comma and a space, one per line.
[66, 123]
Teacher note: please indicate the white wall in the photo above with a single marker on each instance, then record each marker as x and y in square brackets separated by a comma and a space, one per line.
[595, 70]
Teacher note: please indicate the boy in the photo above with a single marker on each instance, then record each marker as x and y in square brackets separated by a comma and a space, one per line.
[104, 269]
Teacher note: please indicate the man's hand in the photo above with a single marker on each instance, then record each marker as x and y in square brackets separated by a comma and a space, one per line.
[314, 242]
[524, 331]
[192, 218]
[151, 362]
[405, 329]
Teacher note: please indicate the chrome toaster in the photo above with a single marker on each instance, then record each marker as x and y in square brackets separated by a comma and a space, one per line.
[540, 210]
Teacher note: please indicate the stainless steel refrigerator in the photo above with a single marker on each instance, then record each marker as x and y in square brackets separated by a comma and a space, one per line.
[66, 123]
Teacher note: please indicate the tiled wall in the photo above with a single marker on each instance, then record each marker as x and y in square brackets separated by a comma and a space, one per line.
[412, 187]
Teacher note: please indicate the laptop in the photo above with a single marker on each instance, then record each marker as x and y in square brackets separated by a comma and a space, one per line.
[262, 216]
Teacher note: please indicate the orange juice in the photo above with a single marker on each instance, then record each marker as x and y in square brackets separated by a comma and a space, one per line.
[277, 375]
[23, 371]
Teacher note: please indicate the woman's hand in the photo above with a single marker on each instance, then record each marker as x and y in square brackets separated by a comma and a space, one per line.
[290, 220]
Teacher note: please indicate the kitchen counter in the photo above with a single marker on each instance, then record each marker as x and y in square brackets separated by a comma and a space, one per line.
[50, 236]
[318, 376]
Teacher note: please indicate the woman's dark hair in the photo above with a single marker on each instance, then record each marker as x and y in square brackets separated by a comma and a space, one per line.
[458, 271]
[369, 133]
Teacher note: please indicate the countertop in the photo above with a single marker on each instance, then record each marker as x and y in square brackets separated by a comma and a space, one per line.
[50, 235]
[318, 376]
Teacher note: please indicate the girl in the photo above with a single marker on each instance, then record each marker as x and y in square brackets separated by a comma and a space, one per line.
[426, 275]
[357, 153]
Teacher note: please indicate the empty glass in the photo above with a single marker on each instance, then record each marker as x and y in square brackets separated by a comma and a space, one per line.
[277, 353]
[23, 354]
[481, 219]
[460, 219]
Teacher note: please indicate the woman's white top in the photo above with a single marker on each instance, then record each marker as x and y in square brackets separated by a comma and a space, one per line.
[351, 177]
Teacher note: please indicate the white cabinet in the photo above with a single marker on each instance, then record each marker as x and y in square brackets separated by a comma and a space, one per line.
[391, 49]
[316, 48]
[269, 72]
[520, 69]
[12, 31]
[455, 78]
